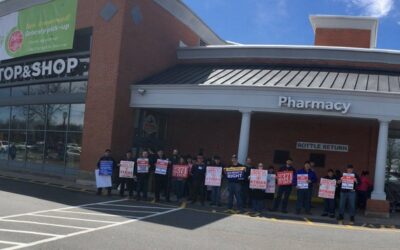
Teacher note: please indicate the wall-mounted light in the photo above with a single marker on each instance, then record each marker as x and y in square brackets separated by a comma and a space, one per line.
[141, 91]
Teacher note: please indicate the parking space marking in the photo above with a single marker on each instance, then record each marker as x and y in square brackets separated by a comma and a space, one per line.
[96, 214]
[44, 224]
[131, 206]
[70, 218]
[28, 232]
[11, 243]
[120, 210]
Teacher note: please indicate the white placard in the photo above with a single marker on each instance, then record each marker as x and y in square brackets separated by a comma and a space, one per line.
[102, 180]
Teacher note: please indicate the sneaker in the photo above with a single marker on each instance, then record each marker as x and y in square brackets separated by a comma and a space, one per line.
[324, 214]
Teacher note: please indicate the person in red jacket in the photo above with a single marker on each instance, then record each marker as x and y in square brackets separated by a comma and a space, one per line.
[363, 190]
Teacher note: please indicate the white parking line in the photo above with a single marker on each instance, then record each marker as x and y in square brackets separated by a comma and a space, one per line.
[96, 214]
[44, 224]
[11, 243]
[120, 210]
[121, 205]
[28, 232]
[69, 218]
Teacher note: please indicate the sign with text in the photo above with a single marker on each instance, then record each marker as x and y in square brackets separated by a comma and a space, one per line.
[180, 171]
[235, 173]
[271, 184]
[302, 181]
[161, 167]
[213, 176]
[258, 179]
[42, 28]
[102, 180]
[142, 165]
[106, 168]
[327, 188]
[285, 178]
[126, 169]
[348, 181]
[322, 146]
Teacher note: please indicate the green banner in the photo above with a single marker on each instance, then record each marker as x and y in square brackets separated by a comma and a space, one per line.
[42, 28]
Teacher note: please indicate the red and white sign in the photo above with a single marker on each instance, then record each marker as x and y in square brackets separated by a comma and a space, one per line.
[180, 171]
[161, 167]
[285, 178]
[327, 188]
[126, 169]
[258, 179]
[143, 165]
[271, 181]
[348, 181]
[302, 181]
[213, 176]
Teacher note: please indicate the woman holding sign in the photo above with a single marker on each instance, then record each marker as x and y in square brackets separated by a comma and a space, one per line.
[348, 182]
[305, 178]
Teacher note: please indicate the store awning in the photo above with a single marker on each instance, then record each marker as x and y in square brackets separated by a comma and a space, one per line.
[254, 75]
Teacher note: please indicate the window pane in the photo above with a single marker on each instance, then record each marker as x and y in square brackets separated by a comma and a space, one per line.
[4, 144]
[59, 88]
[19, 91]
[74, 149]
[34, 147]
[18, 117]
[5, 92]
[4, 117]
[37, 117]
[17, 145]
[40, 89]
[78, 87]
[55, 148]
[76, 117]
[57, 116]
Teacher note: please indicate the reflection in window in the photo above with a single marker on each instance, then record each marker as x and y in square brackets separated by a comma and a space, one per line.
[59, 88]
[76, 117]
[19, 91]
[17, 145]
[78, 87]
[4, 117]
[18, 117]
[35, 146]
[4, 144]
[55, 148]
[5, 92]
[36, 117]
[40, 89]
[57, 116]
[74, 149]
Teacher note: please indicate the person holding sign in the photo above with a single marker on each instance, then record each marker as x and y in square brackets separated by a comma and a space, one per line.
[142, 175]
[198, 173]
[162, 176]
[216, 187]
[127, 181]
[348, 183]
[258, 185]
[235, 174]
[305, 178]
[106, 166]
[285, 177]
[180, 172]
[329, 203]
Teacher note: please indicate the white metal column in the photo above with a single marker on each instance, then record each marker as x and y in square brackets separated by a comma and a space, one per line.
[380, 166]
[244, 136]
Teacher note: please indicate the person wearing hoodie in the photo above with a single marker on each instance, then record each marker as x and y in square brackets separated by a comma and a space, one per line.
[109, 160]
[303, 191]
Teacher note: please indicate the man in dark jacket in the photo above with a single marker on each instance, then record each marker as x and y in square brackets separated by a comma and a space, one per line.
[127, 183]
[198, 173]
[106, 159]
[284, 191]
[235, 174]
[162, 179]
[303, 191]
[348, 182]
[142, 175]
[246, 183]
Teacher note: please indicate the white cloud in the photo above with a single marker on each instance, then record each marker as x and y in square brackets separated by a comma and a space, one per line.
[376, 8]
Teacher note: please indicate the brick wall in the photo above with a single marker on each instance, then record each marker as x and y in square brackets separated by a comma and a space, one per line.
[343, 37]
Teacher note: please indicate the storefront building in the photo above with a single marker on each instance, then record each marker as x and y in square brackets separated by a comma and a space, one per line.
[151, 74]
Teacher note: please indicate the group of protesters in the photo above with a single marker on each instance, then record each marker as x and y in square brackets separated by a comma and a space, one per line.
[192, 187]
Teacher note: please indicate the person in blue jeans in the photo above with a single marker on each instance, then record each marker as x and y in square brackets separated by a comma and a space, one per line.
[348, 194]
[303, 194]
[216, 191]
[284, 191]
[330, 204]
[235, 174]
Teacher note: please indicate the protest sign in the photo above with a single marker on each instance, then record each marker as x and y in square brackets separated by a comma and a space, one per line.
[213, 176]
[126, 169]
[180, 171]
[102, 180]
[142, 165]
[106, 167]
[327, 188]
[302, 181]
[235, 173]
[258, 179]
[271, 181]
[348, 181]
[285, 178]
[161, 167]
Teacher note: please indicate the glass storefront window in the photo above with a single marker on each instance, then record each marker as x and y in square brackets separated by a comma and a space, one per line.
[19, 91]
[4, 144]
[35, 146]
[5, 92]
[59, 88]
[36, 117]
[17, 145]
[18, 117]
[4, 117]
[74, 149]
[57, 116]
[76, 117]
[78, 87]
[55, 148]
[41, 89]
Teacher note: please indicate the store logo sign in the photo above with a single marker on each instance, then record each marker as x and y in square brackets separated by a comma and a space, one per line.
[289, 102]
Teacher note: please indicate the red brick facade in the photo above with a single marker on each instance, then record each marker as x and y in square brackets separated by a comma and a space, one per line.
[343, 37]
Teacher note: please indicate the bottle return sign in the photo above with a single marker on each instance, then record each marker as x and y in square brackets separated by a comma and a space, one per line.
[322, 146]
